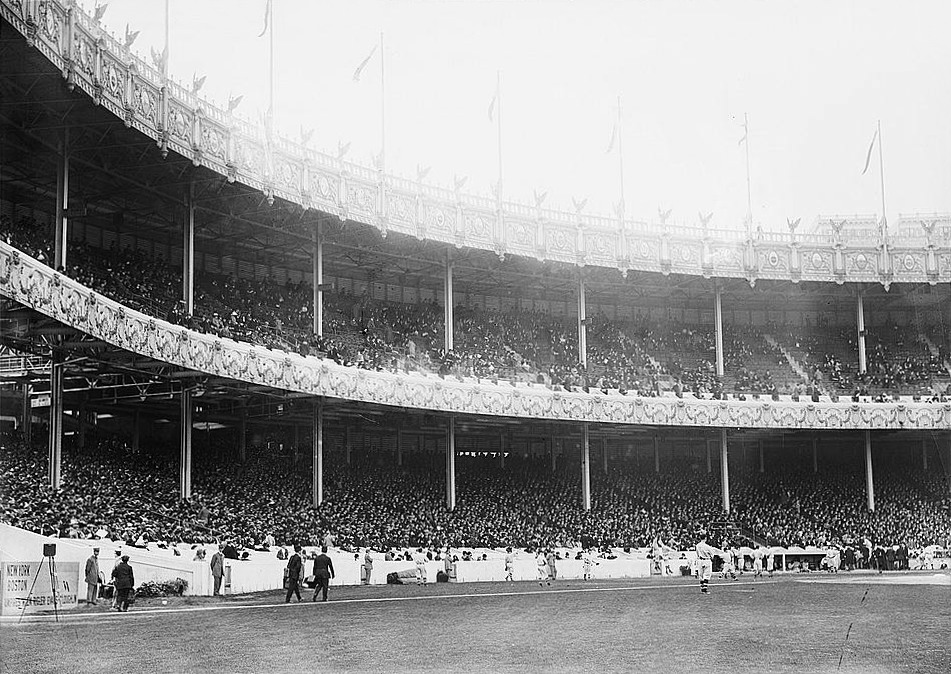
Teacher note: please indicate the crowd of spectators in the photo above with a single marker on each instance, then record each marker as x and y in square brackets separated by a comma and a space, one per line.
[646, 357]
[109, 492]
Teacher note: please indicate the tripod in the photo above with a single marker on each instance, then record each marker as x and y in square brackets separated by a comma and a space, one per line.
[51, 565]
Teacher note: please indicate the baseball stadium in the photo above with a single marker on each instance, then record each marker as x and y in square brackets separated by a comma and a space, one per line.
[239, 374]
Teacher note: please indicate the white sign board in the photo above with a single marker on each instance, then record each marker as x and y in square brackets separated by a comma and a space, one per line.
[16, 579]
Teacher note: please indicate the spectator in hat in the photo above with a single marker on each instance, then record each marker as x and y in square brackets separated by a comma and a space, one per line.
[218, 569]
[115, 563]
[293, 571]
[92, 577]
[323, 572]
[125, 581]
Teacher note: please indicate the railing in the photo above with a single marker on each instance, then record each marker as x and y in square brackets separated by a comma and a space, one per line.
[139, 95]
[10, 365]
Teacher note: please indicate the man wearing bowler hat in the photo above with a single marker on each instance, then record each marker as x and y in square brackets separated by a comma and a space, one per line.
[92, 578]
[323, 572]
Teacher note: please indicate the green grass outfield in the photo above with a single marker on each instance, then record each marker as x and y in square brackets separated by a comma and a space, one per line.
[797, 623]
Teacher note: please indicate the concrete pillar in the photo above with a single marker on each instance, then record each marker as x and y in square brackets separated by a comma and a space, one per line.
[451, 464]
[185, 445]
[762, 467]
[318, 448]
[718, 329]
[860, 325]
[61, 234]
[656, 454]
[188, 251]
[724, 470]
[585, 468]
[57, 369]
[815, 454]
[582, 322]
[318, 276]
[447, 290]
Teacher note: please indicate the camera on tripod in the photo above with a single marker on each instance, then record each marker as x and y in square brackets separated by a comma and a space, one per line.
[49, 549]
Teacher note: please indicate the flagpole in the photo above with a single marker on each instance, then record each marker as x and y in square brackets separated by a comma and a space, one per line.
[620, 155]
[382, 105]
[881, 175]
[270, 67]
[165, 60]
[749, 191]
[498, 93]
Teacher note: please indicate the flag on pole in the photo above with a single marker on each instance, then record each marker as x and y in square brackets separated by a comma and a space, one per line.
[363, 64]
[746, 133]
[267, 18]
[871, 146]
[613, 139]
[495, 99]
[99, 11]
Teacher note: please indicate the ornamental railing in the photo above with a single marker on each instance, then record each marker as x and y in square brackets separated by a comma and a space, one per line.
[95, 62]
[33, 284]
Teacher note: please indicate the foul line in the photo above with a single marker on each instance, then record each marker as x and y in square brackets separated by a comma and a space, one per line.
[89, 618]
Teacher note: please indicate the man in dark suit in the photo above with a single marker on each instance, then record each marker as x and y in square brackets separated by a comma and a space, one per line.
[323, 572]
[125, 581]
[218, 569]
[292, 581]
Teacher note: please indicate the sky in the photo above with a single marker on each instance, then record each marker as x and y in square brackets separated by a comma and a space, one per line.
[814, 79]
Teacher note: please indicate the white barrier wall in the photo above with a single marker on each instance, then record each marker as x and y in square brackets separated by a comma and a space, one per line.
[147, 565]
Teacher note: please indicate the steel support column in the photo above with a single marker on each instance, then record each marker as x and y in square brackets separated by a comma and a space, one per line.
[318, 448]
[185, 445]
[860, 326]
[869, 479]
[451, 464]
[61, 233]
[243, 439]
[582, 323]
[57, 370]
[188, 251]
[318, 277]
[447, 296]
[718, 328]
[136, 430]
[26, 424]
[585, 468]
[724, 470]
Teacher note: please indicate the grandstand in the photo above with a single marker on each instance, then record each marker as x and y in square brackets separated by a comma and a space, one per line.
[213, 335]
[303, 345]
